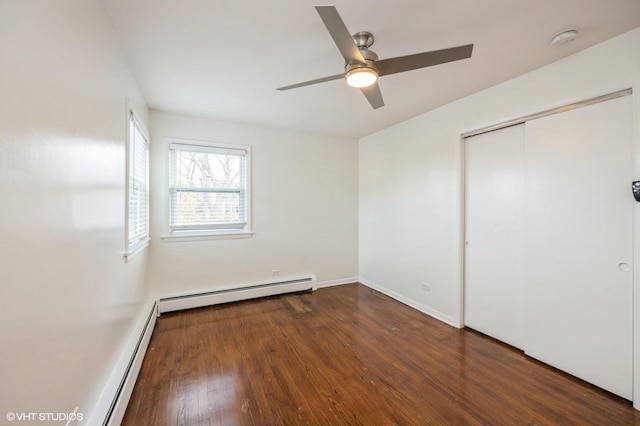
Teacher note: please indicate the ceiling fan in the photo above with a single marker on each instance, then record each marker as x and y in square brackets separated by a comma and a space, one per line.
[362, 67]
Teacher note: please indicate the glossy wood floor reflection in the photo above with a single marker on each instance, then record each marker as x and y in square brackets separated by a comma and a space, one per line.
[348, 355]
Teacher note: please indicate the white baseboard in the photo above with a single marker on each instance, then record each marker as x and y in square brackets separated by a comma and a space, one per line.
[342, 281]
[236, 293]
[409, 302]
[113, 401]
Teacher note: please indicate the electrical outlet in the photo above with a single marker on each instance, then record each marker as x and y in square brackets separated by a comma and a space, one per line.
[425, 287]
[275, 273]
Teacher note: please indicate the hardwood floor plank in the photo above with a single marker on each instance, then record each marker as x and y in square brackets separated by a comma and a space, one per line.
[348, 355]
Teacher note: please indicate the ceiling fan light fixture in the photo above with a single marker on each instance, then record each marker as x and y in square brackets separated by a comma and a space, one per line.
[361, 77]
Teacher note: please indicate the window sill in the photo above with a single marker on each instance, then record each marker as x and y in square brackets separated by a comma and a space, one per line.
[203, 237]
[129, 254]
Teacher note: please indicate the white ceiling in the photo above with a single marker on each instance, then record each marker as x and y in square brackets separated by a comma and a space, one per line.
[224, 59]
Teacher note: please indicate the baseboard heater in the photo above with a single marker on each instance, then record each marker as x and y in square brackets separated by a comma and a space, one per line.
[122, 393]
[197, 300]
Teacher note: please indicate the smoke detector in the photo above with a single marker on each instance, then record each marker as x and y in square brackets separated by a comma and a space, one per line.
[564, 37]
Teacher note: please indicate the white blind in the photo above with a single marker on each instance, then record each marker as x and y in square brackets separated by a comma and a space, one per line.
[138, 185]
[208, 188]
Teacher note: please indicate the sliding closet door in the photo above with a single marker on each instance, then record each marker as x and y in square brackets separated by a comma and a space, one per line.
[494, 234]
[578, 243]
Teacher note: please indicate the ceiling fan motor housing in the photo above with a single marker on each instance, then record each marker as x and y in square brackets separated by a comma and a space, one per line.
[357, 65]
[363, 40]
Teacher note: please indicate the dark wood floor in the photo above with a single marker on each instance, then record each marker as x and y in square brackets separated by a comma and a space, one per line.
[348, 355]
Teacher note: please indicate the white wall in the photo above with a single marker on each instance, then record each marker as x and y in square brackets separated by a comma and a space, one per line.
[304, 210]
[410, 174]
[67, 299]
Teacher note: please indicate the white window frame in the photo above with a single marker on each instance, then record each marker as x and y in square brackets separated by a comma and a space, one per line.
[206, 232]
[133, 144]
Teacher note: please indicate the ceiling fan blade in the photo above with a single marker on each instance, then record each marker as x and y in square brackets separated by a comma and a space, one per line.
[310, 82]
[373, 95]
[422, 60]
[340, 34]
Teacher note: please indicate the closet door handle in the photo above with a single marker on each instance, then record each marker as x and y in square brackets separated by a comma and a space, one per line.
[624, 266]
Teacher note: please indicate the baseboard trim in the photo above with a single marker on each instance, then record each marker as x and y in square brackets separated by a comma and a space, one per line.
[342, 281]
[409, 302]
[112, 403]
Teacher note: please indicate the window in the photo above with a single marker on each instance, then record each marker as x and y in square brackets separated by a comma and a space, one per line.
[137, 226]
[208, 189]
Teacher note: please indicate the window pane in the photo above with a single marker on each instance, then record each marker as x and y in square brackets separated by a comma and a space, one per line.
[201, 208]
[137, 190]
[208, 188]
[206, 170]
